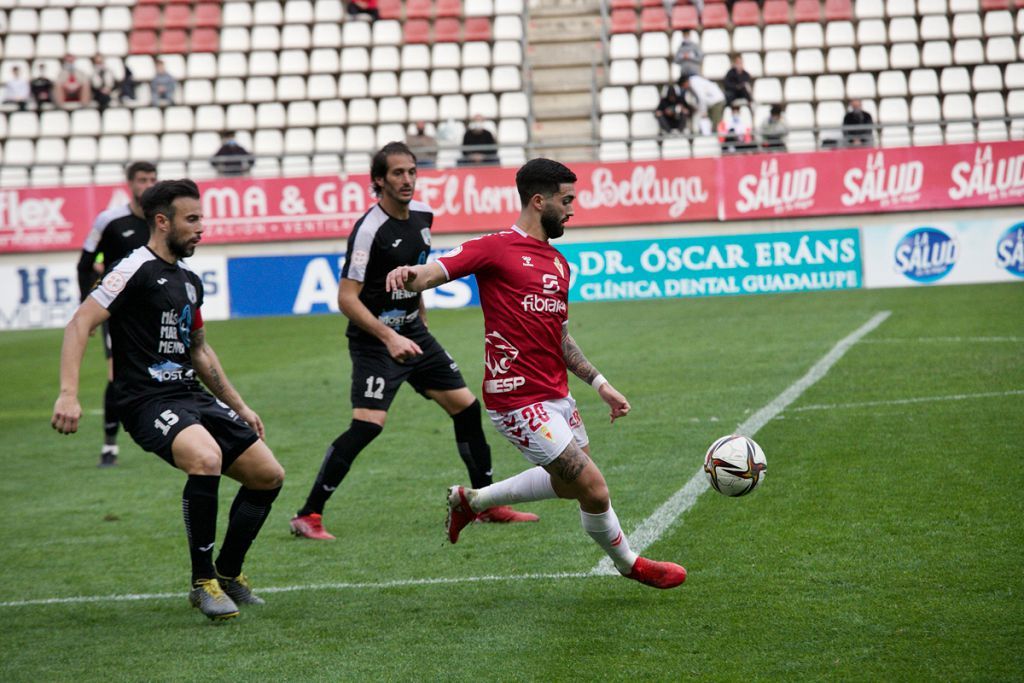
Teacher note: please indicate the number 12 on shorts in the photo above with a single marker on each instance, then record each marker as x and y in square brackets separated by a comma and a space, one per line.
[166, 420]
[374, 387]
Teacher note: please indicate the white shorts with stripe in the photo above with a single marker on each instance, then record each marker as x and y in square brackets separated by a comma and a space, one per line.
[541, 431]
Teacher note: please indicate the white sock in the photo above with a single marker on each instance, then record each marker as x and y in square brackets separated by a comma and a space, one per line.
[604, 528]
[533, 484]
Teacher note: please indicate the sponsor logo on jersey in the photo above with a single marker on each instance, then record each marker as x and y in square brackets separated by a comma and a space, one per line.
[167, 371]
[396, 317]
[499, 354]
[400, 294]
[113, 282]
[454, 252]
[559, 268]
[190, 292]
[360, 257]
[396, 243]
[926, 254]
[127, 233]
[425, 234]
[527, 262]
[503, 385]
[535, 303]
[162, 281]
[1010, 250]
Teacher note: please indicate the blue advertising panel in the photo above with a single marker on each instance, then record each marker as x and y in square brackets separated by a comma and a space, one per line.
[714, 265]
[308, 284]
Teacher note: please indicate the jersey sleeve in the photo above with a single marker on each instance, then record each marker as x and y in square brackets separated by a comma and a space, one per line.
[469, 257]
[358, 257]
[92, 240]
[117, 285]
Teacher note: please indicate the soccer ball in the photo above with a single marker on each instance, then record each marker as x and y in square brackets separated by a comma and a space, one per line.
[735, 465]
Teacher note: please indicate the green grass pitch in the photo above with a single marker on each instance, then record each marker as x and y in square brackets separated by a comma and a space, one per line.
[885, 544]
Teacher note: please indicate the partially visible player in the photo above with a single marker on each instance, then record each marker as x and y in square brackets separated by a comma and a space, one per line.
[153, 303]
[115, 233]
[389, 343]
[524, 285]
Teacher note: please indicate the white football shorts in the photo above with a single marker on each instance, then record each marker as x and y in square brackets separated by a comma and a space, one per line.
[541, 431]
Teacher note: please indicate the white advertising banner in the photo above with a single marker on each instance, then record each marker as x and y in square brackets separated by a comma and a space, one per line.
[944, 253]
[45, 293]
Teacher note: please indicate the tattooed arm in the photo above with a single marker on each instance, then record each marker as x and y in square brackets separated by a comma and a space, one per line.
[209, 369]
[578, 365]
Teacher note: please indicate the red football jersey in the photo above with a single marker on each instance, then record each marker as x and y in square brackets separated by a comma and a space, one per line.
[524, 292]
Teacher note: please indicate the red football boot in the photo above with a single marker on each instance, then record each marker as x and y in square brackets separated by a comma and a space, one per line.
[657, 574]
[459, 513]
[503, 514]
[310, 526]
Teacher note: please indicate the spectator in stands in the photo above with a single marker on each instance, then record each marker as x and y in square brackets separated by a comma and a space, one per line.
[162, 86]
[671, 113]
[42, 88]
[72, 84]
[231, 159]
[858, 126]
[734, 132]
[689, 56]
[478, 144]
[126, 88]
[773, 131]
[738, 83]
[363, 9]
[424, 146]
[703, 97]
[102, 83]
[17, 90]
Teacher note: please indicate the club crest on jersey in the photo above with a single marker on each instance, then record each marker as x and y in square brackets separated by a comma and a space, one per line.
[559, 268]
[527, 262]
[425, 232]
[190, 292]
[499, 354]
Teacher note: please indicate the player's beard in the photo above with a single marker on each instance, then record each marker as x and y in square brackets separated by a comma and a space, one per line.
[181, 248]
[552, 223]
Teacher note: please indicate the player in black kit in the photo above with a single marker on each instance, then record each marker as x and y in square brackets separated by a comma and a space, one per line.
[115, 233]
[389, 343]
[154, 302]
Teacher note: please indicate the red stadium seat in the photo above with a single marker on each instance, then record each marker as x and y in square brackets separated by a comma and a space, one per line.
[390, 9]
[177, 16]
[417, 31]
[989, 5]
[838, 10]
[150, 2]
[684, 18]
[715, 16]
[652, 3]
[205, 40]
[624, 21]
[146, 17]
[477, 28]
[745, 13]
[623, 4]
[449, 8]
[173, 42]
[142, 43]
[207, 15]
[653, 19]
[777, 12]
[447, 30]
[419, 9]
[804, 11]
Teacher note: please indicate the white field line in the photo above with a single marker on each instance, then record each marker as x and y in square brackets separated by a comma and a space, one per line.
[647, 533]
[651, 529]
[908, 401]
[379, 585]
[945, 340]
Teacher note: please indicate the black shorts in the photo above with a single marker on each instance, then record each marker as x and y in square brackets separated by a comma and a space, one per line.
[154, 423]
[108, 349]
[376, 376]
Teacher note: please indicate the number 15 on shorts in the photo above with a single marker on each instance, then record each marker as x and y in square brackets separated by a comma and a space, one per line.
[166, 420]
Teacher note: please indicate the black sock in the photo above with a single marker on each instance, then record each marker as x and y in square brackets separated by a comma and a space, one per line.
[473, 448]
[248, 512]
[110, 416]
[337, 461]
[199, 507]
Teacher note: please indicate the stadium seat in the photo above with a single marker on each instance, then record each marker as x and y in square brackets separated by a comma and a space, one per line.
[209, 117]
[23, 124]
[768, 91]
[715, 40]
[139, 43]
[324, 61]
[1002, 49]
[475, 80]
[419, 9]
[54, 20]
[860, 86]
[624, 21]
[113, 148]
[654, 70]
[473, 8]
[805, 35]
[839, 34]
[506, 79]
[934, 27]
[294, 63]
[923, 82]
[778, 63]
[684, 18]
[508, 28]
[892, 84]
[992, 131]
[260, 89]
[445, 56]
[1014, 76]
[355, 33]
[383, 84]
[614, 127]
[174, 42]
[925, 109]
[85, 122]
[873, 58]
[838, 10]
[413, 82]
[146, 17]
[868, 9]
[444, 82]
[871, 32]
[613, 151]
[177, 16]
[453, 107]
[967, 25]
[745, 38]
[926, 134]
[262, 63]
[237, 37]
[717, 65]
[779, 37]
[656, 44]
[623, 72]
[1015, 103]
[809, 61]
[895, 136]
[296, 37]
[808, 11]
[56, 123]
[624, 46]
[226, 91]
[926, 7]
[800, 115]
[514, 105]
[936, 53]
[644, 150]
[903, 30]
[893, 110]
[291, 88]
[644, 98]
[829, 87]
[653, 19]
[715, 16]
[899, 8]
[117, 121]
[747, 13]
[987, 77]
[417, 31]
[355, 59]
[955, 79]
[775, 12]
[968, 52]
[798, 89]
[45, 176]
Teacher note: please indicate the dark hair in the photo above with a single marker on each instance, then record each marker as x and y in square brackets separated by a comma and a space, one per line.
[138, 167]
[160, 198]
[776, 109]
[379, 165]
[541, 176]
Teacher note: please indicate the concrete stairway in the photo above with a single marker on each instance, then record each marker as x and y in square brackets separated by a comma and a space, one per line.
[563, 48]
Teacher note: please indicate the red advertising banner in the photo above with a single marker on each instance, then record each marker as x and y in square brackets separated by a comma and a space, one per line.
[465, 200]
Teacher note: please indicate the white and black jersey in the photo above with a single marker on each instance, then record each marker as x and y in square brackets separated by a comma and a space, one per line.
[154, 309]
[115, 233]
[379, 243]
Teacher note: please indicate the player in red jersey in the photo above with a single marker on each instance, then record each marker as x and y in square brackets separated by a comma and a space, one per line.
[524, 285]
